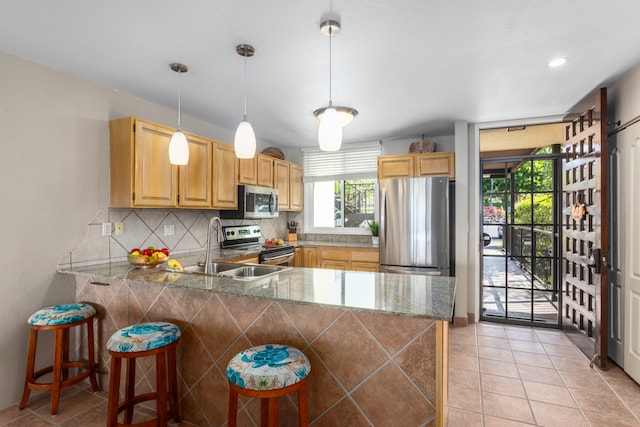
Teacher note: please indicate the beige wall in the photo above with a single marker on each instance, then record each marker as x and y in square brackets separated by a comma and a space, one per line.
[54, 179]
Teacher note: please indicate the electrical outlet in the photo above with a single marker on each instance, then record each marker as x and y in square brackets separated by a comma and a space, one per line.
[118, 229]
[106, 229]
[169, 229]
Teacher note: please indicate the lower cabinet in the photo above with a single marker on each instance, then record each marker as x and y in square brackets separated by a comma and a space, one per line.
[355, 259]
[247, 259]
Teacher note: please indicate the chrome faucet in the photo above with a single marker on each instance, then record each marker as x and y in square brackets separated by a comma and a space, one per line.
[219, 237]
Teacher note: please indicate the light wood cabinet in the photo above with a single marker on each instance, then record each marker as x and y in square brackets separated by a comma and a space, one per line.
[247, 259]
[265, 170]
[415, 165]
[309, 257]
[248, 171]
[141, 174]
[225, 183]
[256, 171]
[348, 259]
[296, 188]
[281, 183]
[195, 177]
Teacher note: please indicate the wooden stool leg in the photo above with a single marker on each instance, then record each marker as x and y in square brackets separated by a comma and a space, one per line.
[130, 388]
[274, 416]
[65, 353]
[31, 363]
[173, 384]
[264, 412]
[114, 391]
[91, 356]
[233, 407]
[303, 406]
[161, 385]
[58, 355]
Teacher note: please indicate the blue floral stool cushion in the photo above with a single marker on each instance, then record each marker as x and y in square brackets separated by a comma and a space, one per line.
[268, 367]
[61, 314]
[143, 337]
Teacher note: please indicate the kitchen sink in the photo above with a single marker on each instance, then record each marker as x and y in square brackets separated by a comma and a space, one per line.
[252, 271]
[236, 271]
[216, 267]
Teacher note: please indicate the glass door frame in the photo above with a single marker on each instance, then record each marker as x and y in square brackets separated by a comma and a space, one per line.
[556, 158]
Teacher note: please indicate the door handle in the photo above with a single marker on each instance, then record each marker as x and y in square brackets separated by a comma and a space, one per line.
[595, 260]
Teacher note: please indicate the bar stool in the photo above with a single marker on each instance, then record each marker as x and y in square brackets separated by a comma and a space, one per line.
[267, 372]
[158, 339]
[59, 318]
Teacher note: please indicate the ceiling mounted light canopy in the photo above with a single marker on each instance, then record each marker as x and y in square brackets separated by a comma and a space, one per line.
[332, 119]
[557, 62]
[244, 142]
[178, 146]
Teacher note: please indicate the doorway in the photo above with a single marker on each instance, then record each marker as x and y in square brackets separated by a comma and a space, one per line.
[521, 194]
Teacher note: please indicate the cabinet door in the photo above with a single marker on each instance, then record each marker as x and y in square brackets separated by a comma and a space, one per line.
[365, 266]
[365, 255]
[247, 259]
[156, 179]
[296, 188]
[334, 264]
[195, 177]
[436, 164]
[281, 182]
[248, 171]
[309, 257]
[265, 170]
[225, 192]
[395, 166]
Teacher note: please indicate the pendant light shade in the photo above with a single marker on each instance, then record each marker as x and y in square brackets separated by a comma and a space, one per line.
[178, 145]
[330, 131]
[332, 119]
[178, 149]
[244, 142]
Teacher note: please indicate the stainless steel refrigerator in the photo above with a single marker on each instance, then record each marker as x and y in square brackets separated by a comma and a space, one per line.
[414, 226]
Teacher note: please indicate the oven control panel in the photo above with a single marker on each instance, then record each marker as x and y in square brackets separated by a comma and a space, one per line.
[241, 232]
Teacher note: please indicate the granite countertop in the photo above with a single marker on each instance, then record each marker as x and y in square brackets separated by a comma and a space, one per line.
[332, 244]
[404, 295]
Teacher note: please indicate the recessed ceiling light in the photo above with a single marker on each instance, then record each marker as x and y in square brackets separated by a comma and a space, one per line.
[558, 62]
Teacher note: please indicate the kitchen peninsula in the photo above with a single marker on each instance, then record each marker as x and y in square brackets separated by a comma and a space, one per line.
[378, 343]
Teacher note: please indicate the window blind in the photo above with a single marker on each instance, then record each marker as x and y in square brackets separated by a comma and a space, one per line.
[353, 161]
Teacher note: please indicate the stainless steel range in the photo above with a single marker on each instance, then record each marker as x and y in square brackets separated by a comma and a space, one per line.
[248, 237]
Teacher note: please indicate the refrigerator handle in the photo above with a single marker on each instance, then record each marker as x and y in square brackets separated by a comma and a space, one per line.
[383, 217]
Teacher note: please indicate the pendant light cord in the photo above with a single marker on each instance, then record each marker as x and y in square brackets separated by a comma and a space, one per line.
[179, 96]
[330, 77]
[245, 88]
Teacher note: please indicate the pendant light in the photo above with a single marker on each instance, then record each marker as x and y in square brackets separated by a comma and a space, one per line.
[244, 142]
[332, 119]
[178, 146]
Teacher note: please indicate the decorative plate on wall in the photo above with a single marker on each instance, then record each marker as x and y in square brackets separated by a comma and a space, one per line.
[274, 152]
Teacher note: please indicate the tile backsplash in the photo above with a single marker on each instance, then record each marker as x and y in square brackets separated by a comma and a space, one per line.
[146, 227]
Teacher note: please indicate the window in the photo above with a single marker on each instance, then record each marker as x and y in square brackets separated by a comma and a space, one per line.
[341, 188]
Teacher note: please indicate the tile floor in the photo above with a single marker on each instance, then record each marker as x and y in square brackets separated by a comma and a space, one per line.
[510, 376]
[500, 376]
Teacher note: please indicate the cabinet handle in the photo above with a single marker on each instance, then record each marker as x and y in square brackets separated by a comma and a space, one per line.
[99, 283]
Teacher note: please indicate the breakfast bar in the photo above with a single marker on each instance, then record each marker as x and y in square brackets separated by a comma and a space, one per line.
[377, 343]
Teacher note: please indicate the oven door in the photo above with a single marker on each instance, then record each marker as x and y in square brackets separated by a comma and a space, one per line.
[283, 259]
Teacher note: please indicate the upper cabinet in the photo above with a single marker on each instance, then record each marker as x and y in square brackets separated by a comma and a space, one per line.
[287, 178]
[296, 189]
[281, 182]
[256, 171]
[415, 165]
[142, 176]
[225, 183]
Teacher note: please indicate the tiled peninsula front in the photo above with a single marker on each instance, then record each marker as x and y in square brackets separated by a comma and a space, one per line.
[377, 342]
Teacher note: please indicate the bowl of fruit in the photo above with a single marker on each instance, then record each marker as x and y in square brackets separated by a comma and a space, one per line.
[274, 242]
[148, 258]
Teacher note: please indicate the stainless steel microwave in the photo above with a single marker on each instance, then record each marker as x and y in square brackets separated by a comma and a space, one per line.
[254, 203]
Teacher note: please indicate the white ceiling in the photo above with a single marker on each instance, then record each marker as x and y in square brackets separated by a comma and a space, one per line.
[409, 67]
